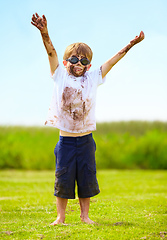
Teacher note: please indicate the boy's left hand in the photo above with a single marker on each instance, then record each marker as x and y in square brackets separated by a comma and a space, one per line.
[39, 22]
[137, 39]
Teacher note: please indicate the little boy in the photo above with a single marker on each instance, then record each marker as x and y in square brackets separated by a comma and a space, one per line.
[72, 111]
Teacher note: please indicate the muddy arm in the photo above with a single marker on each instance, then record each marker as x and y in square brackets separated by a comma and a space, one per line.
[41, 24]
[106, 67]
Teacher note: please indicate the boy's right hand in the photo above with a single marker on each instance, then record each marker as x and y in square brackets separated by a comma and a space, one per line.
[39, 22]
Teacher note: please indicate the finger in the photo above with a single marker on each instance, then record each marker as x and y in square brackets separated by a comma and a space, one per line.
[33, 18]
[44, 18]
[142, 35]
[39, 26]
[34, 24]
[37, 15]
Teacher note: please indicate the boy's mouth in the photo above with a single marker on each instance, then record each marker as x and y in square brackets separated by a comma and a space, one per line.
[77, 71]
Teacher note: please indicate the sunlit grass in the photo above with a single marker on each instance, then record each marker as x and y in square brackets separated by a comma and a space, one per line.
[131, 205]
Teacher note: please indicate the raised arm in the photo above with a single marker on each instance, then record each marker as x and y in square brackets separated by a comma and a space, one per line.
[41, 24]
[106, 67]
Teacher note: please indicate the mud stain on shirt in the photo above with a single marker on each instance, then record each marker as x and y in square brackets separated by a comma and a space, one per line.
[74, 105]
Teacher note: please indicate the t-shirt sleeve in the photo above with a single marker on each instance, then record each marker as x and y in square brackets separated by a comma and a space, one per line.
[58, 73]
[97, 76]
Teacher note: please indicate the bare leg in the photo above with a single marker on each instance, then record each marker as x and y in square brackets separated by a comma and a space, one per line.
[61, 207]
[84, 206]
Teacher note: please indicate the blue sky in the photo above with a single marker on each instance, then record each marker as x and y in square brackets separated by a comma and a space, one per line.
[136, 88]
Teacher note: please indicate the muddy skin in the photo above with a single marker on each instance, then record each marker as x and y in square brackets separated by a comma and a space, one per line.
[126, 49]
[48, 52]
[46, 39]
[73, 72]
[38, 22]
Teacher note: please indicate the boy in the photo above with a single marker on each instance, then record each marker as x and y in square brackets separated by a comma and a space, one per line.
[72, 111]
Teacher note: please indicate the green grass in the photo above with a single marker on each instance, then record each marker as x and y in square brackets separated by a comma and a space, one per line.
[131, 205]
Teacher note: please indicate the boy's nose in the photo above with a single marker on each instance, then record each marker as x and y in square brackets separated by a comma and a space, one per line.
[79, 63]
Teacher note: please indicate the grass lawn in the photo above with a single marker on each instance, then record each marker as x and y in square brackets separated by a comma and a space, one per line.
[131, 205]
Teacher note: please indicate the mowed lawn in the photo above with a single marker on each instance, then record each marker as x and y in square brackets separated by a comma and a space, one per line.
[131, 205]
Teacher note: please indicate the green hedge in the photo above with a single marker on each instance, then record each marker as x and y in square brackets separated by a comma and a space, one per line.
[121, 145]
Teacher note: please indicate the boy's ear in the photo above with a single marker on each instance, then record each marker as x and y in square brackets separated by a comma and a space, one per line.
[89, 67]
[65, 63]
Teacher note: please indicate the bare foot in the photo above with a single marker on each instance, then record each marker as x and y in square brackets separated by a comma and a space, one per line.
[87, 220]
[57, 221]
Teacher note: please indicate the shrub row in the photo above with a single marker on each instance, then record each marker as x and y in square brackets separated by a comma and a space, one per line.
[120, 145]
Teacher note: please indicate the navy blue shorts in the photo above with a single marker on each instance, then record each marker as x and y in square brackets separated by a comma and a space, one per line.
[75, 162]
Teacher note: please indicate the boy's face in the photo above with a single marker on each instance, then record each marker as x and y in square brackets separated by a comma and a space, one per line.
[77, 69]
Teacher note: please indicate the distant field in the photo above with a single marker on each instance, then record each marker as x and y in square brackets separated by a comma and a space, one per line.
[132, 205]
[120, 145]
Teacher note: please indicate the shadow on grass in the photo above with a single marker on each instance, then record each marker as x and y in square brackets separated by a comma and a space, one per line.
[110, 223]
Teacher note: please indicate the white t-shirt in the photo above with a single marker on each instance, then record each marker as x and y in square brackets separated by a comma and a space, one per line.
[72, 107]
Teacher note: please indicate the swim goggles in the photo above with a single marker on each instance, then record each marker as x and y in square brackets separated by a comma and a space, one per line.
[74, 60]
